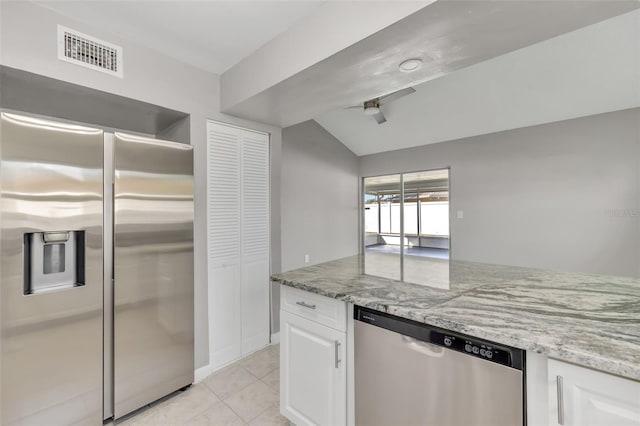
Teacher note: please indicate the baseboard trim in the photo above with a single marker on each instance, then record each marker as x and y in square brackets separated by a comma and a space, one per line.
[202, 373]
[205, 371]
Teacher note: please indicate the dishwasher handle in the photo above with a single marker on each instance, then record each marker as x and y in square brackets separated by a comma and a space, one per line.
[424, 348]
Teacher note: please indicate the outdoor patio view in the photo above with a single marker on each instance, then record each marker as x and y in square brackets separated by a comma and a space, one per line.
[406, 224]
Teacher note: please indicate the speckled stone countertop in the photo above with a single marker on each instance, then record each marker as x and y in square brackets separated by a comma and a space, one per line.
[590, 320]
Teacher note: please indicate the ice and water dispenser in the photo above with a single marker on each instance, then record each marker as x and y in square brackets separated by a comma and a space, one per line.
[53, 260]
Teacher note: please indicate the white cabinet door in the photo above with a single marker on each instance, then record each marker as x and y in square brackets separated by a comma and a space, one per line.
[313, 376]
[580, 396]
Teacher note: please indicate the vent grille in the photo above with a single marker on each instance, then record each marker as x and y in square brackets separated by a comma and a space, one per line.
[89, 52]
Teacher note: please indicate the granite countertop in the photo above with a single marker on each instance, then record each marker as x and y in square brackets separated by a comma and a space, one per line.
[590, 320]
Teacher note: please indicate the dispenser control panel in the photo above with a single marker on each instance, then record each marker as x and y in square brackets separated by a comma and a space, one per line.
[472, 347]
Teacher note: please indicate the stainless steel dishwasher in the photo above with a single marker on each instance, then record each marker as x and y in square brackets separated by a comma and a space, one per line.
[407, 373]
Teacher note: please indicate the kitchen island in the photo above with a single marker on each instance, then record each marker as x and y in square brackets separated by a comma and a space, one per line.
[585, 319]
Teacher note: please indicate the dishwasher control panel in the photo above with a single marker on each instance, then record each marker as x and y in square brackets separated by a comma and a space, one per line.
[472, 347]
[493, 352]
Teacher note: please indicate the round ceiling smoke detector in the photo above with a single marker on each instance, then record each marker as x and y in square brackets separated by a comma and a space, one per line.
[410, 65]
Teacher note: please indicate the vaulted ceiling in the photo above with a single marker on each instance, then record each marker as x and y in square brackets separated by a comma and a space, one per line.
[589, 71]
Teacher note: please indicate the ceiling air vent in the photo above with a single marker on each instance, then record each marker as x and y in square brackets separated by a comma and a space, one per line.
[89, 52]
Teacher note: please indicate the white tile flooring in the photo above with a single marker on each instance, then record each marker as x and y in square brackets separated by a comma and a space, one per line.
[244, 393]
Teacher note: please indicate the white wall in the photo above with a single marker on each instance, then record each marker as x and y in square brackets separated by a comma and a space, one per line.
[563, 196]
[28, 42]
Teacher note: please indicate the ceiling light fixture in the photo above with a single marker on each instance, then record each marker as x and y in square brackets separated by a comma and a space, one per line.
[372, 107]
[410, 65]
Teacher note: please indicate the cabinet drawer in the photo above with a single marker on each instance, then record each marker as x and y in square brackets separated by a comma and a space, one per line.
[321, 309]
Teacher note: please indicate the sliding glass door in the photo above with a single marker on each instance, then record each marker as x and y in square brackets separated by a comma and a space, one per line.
[406, 227]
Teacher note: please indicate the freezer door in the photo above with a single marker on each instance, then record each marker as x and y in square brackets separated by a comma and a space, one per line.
[50, 272]
[153, 270]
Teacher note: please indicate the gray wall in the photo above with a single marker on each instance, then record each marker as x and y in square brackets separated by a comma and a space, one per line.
[319, 197]
[319, 200]
[563, 196]
[28, 42]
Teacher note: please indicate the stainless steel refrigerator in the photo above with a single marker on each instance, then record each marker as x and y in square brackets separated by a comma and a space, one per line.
[96, 278]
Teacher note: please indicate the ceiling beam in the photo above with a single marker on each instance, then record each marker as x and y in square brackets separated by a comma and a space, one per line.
[332, 27]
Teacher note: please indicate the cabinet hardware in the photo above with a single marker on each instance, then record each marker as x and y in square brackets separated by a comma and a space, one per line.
[560, 395]
[337, 348]
[306, 305]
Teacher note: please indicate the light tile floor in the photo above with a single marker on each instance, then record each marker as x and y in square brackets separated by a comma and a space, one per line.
[244, 393]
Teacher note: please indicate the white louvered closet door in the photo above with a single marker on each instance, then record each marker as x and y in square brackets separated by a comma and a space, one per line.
[255, 241]
[223, 240]
[238, 241]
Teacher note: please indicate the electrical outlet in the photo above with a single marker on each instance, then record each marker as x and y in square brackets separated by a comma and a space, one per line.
[306, 258]
[460, 214]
